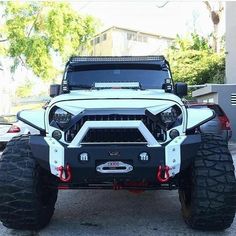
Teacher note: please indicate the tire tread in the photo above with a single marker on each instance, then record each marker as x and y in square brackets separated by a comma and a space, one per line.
[21, 186]
[213, 200]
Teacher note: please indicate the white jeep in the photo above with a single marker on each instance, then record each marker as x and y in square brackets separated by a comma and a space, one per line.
[117, 123]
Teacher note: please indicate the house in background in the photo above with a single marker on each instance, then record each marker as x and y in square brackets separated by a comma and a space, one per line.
[117, 41]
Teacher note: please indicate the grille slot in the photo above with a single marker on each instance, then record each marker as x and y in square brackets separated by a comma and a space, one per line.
[114, 135]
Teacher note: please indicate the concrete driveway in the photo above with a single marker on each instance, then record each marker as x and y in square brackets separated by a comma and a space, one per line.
[108, 212]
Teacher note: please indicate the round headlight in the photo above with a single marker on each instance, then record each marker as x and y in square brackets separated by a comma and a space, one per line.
[61, 116]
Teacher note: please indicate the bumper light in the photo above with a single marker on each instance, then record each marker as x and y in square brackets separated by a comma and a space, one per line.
[56, 134]
[174, 133]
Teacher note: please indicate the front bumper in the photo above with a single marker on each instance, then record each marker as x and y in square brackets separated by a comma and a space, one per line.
[177, 154]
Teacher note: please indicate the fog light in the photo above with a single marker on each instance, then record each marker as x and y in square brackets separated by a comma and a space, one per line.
[56, 134]
[143, 156]
[174, 133]
[83, 156]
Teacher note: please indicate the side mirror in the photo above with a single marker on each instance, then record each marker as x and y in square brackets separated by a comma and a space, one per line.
[54, 90]
[181, 89]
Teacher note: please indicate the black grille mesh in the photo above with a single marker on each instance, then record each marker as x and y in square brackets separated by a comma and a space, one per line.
[112, 135]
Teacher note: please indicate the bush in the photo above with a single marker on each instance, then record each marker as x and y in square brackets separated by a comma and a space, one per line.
[194, 62]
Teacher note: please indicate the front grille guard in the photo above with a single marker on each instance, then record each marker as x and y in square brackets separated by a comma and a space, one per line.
[110, 122]
[126, 124]
[78, 121]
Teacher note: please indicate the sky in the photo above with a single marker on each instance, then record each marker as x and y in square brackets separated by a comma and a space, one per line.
[176, 17]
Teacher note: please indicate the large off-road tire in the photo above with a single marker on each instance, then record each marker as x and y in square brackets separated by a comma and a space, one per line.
[27, 192]
[208, 188]
[2, 146]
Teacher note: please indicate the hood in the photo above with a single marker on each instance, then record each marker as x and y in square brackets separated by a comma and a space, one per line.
[77, 101]
[158, 94]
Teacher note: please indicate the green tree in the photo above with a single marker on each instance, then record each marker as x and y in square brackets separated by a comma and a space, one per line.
[34, 33]
[194, 62]
[24, 90]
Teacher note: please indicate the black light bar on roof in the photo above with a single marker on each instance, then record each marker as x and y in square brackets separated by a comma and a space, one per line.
[116, 58]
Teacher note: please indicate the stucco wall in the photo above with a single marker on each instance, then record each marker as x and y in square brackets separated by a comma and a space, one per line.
[118, 44]
[211, 98]
[230, 42]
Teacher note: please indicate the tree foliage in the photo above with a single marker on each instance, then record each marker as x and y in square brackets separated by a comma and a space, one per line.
[36, 32]
[194, 62]
[25, 90]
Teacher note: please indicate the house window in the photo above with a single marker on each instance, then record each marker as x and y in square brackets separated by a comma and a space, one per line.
[132, 36]
[97, 40]
[129, 36]
[137, 37]
[104, 37]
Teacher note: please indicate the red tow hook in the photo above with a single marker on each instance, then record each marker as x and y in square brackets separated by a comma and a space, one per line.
[165, 170]
[67, 172]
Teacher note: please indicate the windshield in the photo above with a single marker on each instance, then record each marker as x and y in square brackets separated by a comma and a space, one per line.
[147, 78]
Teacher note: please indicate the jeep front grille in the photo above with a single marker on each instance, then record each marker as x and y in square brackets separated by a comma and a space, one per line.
[115, 135]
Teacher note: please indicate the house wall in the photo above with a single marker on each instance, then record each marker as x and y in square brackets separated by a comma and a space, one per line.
[225, 93]
[102, 44]
[122, 42]
[134, 43]
[230, 42]
[211, 98]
